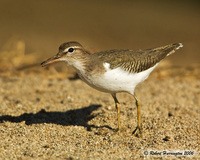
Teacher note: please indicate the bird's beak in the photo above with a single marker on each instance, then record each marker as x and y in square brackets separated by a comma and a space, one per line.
[53, 59]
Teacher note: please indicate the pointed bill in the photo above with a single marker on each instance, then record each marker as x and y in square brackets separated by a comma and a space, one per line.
[53, 59]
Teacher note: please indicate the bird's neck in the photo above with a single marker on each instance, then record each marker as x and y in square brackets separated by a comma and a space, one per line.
[80, 61]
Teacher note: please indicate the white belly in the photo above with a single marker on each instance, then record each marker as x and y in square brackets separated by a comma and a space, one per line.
[116, 80]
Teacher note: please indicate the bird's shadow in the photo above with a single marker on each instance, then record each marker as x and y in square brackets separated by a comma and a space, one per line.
[75, 117]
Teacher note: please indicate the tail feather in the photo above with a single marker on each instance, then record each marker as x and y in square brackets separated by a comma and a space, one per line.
[173, 47]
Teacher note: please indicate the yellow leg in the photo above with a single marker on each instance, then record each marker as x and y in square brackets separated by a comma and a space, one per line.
[138, 129]
[117, 105]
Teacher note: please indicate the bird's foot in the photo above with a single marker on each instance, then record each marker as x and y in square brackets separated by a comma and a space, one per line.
[137, 132]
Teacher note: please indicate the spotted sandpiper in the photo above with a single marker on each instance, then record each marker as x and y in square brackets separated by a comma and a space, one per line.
[113, 71]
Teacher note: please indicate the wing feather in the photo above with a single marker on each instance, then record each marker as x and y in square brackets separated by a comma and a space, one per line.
[136, 61]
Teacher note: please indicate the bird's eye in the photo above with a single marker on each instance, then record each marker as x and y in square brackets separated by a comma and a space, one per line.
[70, 50]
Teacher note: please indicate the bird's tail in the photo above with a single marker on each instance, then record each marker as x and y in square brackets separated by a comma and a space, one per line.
[171, 48]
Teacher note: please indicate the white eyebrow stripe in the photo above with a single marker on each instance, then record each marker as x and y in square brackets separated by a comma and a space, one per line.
[75, 47]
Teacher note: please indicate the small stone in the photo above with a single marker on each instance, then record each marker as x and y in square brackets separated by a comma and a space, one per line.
[167, 138]
[170, 114]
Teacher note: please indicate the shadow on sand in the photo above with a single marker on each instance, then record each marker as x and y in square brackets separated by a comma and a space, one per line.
[76, 117]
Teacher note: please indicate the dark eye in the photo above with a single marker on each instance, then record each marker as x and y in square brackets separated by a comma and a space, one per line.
[70, 50]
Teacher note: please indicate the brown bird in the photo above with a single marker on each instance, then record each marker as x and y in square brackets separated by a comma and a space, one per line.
[113, 71]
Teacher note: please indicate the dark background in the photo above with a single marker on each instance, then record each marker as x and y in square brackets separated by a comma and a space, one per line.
[100, 25]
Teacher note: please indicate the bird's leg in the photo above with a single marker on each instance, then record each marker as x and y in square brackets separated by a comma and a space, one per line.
[117, 105]
[138, 129]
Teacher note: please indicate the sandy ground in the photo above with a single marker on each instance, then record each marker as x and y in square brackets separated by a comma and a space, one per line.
[47, 115]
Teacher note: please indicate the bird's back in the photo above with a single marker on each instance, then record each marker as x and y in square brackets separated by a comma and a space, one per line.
[136, 61]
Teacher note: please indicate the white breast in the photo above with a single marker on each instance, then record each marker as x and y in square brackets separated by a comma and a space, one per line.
[116, 80]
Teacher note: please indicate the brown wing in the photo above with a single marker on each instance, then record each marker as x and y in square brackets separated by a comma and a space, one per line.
[137, 61]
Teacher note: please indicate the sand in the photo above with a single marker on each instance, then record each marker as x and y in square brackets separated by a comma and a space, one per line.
[47, 115]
